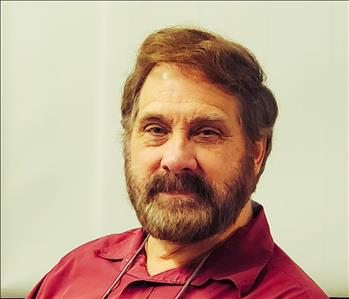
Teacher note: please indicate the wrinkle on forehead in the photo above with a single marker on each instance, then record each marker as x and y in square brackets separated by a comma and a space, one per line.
[186, 112]
[173, 76]
[185, 90]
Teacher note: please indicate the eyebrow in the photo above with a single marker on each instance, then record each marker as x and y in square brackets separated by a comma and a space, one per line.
[208, 119]
[153, 117]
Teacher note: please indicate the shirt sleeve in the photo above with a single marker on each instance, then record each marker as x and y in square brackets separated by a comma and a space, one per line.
[33, 293]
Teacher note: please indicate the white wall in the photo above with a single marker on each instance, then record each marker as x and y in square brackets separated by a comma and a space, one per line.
[63, 66]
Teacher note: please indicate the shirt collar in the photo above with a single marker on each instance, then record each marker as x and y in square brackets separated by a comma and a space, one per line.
[242, 257]
[123, 248]
[239, 259]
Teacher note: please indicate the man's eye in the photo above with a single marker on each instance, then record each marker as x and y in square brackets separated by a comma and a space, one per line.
[208, 133]
[155, 130]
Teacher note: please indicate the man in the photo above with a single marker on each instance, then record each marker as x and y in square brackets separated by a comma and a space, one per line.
[198, 122]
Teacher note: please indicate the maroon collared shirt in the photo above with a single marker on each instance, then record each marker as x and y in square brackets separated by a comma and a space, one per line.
[248, 265]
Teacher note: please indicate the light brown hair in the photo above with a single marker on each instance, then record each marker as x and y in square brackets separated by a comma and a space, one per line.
[227, 64]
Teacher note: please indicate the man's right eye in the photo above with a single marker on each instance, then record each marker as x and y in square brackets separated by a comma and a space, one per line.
[155, 130]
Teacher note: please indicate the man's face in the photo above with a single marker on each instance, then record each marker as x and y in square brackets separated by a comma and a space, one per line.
[187, 167]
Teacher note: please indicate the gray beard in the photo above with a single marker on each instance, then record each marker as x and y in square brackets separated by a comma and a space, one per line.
[189, 218]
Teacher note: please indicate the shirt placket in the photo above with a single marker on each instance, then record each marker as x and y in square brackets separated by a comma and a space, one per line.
[137, 289]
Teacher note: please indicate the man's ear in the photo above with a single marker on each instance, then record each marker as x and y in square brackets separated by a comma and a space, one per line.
[259, 148]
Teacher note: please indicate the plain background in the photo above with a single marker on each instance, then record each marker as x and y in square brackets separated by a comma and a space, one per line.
[63, 67]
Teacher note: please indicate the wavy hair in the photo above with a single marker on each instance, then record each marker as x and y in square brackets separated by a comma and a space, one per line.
[228, 65]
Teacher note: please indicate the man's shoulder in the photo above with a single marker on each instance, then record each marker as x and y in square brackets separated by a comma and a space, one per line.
[286, 273]
[82, 263]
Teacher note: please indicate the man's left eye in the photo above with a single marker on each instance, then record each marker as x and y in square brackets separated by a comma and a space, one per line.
[208, 133]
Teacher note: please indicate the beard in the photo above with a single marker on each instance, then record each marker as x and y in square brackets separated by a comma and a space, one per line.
[201, 210]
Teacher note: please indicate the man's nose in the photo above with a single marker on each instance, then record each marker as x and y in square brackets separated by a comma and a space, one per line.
[178, 155]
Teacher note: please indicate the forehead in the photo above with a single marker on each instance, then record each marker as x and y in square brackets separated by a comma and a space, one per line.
[185, 93]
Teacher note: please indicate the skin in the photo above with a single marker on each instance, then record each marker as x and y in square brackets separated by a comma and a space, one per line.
[185, 123]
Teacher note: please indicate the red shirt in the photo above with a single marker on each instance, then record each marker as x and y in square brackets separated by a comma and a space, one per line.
[248, 265]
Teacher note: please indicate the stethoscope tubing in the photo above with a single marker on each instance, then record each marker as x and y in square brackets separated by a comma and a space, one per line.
[127, 266]
[129, 263]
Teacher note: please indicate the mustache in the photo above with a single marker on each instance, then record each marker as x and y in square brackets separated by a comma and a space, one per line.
[185, 182]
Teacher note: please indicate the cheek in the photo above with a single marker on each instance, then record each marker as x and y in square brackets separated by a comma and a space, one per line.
[212, 163]
[144, 161]
[221, 163]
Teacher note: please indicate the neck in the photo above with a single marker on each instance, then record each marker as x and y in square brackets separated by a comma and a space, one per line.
[164, 255]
